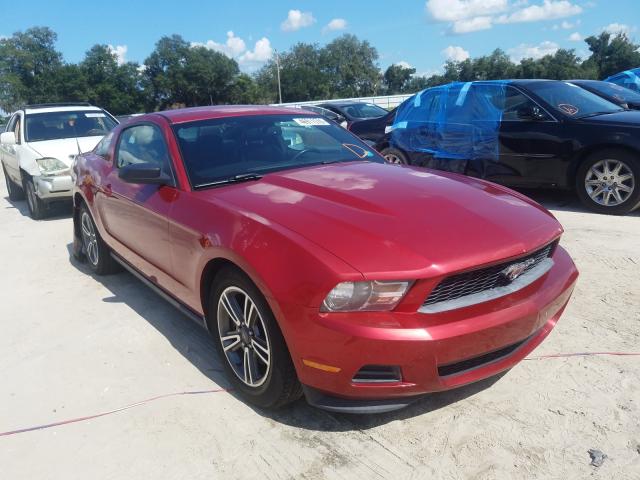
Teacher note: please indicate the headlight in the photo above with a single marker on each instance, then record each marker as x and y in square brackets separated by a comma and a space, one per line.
[52, 167]
[365, 296]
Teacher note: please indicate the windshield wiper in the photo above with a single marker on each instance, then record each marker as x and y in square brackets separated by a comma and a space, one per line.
[241, 177]
[595, 114]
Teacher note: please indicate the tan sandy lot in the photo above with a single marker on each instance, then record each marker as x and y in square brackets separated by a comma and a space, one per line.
[72, 345]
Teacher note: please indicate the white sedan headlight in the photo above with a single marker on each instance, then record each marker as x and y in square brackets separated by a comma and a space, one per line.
[365, 296]
[52, 167]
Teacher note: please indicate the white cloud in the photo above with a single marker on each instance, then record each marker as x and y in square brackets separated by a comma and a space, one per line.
[472, 25]
[120, 51]
[454, 10]
[335, 24]
[566, 25]
[466, 16]
[403, 64]
[233, 47]
[262, 51]
[532, 51]
[548, 10]
[455, 53]
[297, 20]
[236, 48]
[616, 28]
[575, 37]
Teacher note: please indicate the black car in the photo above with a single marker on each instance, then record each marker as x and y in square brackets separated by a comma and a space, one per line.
[326, 113]
[610, 91]
[524, 133]
[354, 111]
[372, 130]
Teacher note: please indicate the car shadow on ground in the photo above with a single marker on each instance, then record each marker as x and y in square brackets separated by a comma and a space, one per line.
[55, 211]
[195, 344]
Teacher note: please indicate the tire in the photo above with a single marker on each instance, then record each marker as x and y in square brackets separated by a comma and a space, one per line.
[94, 250]
[37, 208]
[608, 181]
[394, 156]
[270, 381]
[15, 192]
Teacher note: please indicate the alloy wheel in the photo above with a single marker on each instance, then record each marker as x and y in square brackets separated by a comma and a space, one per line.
[244, 338]
[609, 182]
[89, 239]
[31, 196]
[391, 158]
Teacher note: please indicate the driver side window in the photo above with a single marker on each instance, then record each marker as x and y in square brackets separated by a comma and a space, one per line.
[143, 144]
[518, 107]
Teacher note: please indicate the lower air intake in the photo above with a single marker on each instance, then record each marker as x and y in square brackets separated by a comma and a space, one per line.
[377, 374]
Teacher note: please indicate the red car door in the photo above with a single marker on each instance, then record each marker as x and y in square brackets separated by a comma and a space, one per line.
[135, 215]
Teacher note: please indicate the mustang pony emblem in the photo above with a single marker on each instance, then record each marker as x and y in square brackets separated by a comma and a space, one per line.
[514, 271]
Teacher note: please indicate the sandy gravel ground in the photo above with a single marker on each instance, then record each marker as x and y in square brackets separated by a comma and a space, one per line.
[74, 345]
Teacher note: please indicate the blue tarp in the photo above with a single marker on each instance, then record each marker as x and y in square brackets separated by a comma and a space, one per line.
[450, 125]
[629, 79]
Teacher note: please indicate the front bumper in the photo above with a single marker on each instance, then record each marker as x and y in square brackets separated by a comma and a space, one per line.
[53, 188]
[435, 352]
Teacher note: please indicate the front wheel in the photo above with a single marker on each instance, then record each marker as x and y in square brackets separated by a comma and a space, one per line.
[94, 250]
[255, 355]
[394, 156]
[37, 208]
[608, 182]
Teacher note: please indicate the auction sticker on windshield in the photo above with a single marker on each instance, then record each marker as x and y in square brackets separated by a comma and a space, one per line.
[568, 108]
[94, 115]
[310, 122]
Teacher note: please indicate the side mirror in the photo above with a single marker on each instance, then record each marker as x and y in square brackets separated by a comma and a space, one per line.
[531, 112]
[145, 173]
[8, 138]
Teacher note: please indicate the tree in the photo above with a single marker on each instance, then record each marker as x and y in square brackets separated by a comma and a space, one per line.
[611, 55]
[349, 66]
[396, 78]
[29, 64]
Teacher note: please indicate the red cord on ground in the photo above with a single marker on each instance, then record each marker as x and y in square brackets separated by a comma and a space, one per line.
[218, 390]
[102, 414]
[582, 354]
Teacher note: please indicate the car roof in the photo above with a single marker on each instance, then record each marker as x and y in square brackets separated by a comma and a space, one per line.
[60, 108]
[342, 103]
[183, 115]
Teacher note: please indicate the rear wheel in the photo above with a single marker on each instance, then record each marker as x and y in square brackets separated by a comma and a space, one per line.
[37, 208]
[256, 357]
[14, 191]
[94, 250]
[395, 156]
[608, 182]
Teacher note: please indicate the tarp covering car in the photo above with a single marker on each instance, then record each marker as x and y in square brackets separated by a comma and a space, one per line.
[629, 79]
[451, 125]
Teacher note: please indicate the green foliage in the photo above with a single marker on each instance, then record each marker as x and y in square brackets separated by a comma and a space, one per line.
[178, 74]
[397, 78]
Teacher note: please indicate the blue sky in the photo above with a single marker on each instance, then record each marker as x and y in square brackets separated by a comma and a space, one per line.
[419, 32]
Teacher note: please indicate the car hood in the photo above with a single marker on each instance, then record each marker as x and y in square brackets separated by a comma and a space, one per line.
[384, 219]
[628, 118]
[64, 149]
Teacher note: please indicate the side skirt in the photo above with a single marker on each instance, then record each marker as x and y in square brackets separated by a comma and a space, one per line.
[199, 319]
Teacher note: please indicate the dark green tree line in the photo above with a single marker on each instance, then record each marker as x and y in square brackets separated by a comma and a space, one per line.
[177, 73]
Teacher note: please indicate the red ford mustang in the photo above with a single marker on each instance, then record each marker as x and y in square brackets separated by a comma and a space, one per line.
[316, 267]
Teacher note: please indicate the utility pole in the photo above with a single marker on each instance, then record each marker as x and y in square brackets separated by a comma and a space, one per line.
[278, 73]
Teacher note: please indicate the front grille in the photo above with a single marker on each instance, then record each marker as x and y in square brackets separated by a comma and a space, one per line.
[476, 281]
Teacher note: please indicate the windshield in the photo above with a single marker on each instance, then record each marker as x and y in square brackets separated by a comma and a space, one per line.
[572, 100]
[364, 110]
[57, 125]
[219, 149]
[621, 94]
